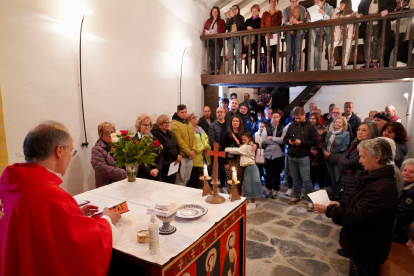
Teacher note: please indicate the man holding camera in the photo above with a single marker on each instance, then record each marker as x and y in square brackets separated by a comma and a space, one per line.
[300, 137]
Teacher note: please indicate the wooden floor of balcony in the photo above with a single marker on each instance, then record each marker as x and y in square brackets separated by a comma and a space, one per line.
[324, 77]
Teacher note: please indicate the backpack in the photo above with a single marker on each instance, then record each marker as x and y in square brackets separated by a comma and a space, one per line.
[263, 64]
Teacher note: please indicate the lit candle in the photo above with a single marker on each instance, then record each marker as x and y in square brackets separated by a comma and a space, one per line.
[234, 178]
[205, 171]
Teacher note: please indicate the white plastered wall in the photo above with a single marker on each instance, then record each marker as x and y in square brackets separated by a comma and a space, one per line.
[131, 65]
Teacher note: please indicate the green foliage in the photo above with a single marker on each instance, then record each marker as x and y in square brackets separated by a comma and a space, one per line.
[134, 151]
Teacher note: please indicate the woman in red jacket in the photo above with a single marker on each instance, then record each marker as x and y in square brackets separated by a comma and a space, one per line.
[215, 24]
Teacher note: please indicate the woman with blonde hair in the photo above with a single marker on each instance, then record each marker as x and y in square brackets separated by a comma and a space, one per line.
[143, 126]
[171, 151]
[336, 143]
[102, 161]
[203, 145]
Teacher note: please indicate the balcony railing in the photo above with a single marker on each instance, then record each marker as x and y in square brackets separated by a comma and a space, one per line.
[308, 27]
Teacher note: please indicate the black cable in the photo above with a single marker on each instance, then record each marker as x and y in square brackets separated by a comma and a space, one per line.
[181, 75]
[80, 79]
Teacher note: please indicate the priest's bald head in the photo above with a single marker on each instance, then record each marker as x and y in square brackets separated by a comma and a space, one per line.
[49, 145]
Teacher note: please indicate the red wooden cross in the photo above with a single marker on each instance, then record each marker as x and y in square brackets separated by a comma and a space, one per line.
[216, 155]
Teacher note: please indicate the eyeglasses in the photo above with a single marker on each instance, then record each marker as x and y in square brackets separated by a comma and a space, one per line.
[73, 152]
[107, 133]
[146, 125]
[167, 122]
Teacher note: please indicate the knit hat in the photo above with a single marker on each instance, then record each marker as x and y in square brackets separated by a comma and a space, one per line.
[382, 115]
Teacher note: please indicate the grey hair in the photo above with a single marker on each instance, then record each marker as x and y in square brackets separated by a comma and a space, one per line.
[42, 141]
[377, 147]
[392, 145]
[409, 161]
[372, 129]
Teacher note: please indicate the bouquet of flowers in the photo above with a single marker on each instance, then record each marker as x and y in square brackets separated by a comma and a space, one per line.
[132, 152]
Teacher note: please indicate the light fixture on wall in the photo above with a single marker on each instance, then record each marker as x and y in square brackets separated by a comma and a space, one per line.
[408, 104]
[86, 11]
[186, 44]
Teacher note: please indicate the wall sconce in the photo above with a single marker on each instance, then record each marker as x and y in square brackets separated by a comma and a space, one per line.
[186, 44]
[408, 104]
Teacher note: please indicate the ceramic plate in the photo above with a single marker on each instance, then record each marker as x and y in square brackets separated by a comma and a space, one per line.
[191, 211]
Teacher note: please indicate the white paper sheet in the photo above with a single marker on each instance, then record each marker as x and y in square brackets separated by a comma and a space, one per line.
[173, 168]
[320, 197]
[314, 13]
[209, 31]
[274, 40]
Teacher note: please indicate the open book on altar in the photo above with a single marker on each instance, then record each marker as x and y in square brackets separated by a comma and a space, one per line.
[120, 209]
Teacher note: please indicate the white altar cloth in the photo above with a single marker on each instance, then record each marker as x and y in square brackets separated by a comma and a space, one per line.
[144, 194]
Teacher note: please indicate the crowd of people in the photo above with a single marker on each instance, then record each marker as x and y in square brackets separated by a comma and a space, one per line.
[296, 14]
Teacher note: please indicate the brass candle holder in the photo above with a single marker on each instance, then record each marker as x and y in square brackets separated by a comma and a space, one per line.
[206, 187]
[234, 193]
[215, 198]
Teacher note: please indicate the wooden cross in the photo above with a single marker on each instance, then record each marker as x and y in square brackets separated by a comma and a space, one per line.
[216, 155]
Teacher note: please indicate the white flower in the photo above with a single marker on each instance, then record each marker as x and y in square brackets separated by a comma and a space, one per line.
[115, 139]
[118, 133]
[113, 135]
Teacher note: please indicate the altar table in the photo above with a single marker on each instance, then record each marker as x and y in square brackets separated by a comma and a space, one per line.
[198, 247]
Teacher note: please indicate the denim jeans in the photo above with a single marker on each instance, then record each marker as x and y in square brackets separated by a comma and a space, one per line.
[236, 43]
[218, 56]
[293, 52]
[335, 174]
[300, 169]
[327, 40]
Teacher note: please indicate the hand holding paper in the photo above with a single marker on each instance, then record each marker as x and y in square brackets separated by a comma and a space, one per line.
[320, 197]
[314, 13]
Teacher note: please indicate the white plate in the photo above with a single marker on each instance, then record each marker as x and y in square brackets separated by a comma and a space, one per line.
[191, 211]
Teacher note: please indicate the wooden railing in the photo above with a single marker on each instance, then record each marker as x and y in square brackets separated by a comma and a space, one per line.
[308, 27]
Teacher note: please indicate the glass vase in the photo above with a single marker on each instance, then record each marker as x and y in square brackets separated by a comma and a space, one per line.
[132, 170]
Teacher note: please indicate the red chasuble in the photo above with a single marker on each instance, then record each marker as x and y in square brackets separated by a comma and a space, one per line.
[42, 230]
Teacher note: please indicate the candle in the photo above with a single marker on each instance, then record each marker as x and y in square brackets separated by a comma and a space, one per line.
[205, 171]
[234, 178]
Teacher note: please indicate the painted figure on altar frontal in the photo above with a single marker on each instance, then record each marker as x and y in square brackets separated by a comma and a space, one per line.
[230, 262]
[211, 261]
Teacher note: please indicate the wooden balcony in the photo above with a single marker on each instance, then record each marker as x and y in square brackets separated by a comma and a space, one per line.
[334, 75]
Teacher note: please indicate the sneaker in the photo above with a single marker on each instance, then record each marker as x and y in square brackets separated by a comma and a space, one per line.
[289, 192]
[274, 194]
[250, 206]
[373, 65]
[229, 72]
[268, 194]
[295, 201]
[401, 64]
[224, 191]
[310, 207]
[364, 66]
[238, 72]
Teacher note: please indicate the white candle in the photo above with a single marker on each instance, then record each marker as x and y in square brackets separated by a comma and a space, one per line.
[205, 171]
[234, 178]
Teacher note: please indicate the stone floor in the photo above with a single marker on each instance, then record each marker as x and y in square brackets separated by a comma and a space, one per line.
[289, 241]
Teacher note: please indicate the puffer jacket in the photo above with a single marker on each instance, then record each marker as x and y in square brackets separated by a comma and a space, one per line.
[401, 151]
[215, 132]
[367, 217]
[102, 162]
[202, 142]
[184, 135]
[350, 162]
[170, 149]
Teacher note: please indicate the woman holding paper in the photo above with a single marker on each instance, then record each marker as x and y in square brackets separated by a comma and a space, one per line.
[171, 151]
[294, 14]
[272, 18]
[367, 217]
[203, 145]
[344, 11]
[214, 25]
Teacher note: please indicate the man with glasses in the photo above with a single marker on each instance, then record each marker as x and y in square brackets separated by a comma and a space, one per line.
[37, 216]
[186, 140]
[215, 135]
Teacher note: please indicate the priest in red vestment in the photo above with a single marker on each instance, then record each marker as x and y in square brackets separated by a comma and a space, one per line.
[42, 229]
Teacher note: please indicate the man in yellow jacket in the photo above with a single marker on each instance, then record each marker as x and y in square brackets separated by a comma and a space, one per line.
[186, 140]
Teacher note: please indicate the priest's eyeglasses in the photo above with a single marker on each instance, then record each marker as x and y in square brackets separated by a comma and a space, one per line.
[73, 152]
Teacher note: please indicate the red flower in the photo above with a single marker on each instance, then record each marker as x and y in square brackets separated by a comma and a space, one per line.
[112, 149]
[157, 143]
[135, 141]
[127, 138]
[124, 132]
